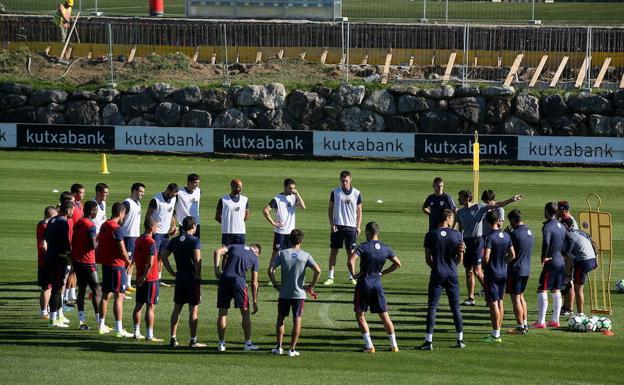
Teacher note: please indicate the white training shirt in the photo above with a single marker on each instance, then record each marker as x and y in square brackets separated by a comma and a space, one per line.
[100, 217]
[187, 205]
[345, 206]
[163, 213]
[131, 226]
[284, 207]
[233, 214]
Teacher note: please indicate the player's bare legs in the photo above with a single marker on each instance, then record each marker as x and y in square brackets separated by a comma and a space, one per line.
[44, 299]
[580, 298]
[333, 254]
[279, 330]
[222, 323]
[175, 317]
[470, 283]
[518, 308]
[496, 317]
[296, 331]
[104, 307]
[136, 314]
[246, 323]
[193, 319]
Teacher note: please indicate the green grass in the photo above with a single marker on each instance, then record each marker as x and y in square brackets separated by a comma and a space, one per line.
[390, 10]
[30, 351]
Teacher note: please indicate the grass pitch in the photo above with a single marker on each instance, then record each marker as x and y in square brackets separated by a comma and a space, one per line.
[30, 352]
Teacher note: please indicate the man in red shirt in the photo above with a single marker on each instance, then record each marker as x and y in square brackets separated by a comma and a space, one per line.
[83, 256]
[146, 262]
[42, 279]
[112, 253]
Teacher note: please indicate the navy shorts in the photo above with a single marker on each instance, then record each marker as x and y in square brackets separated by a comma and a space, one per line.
[113, 279]
[284, 305]
[582, 268]
[516, 285]
[86, 275]
[232, 239]
[231, 288]
[474, 252]
[280, 242]
[43, 280]
[551, 277]
[369, 294]
[129, 242]
[162, 241]
[55, 272]
[494, 288]
[148, 292]
[345, 237]
[187, 290]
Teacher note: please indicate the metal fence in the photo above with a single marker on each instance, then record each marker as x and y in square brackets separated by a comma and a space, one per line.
[403, 11]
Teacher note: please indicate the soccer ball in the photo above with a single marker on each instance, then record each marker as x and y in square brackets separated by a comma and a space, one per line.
[576, 324]
[589, 325]
[619, 286]
[603, 324]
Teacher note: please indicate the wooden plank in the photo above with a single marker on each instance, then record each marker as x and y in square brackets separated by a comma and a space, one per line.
[622, 82]
[68, 53]
[433, 59]
[582, 72]
[365, 60]
[213, 58]
[499, 62]
[411, 61]
[513, 70]
[71, 32]
[237, 56]
[280, 54]
[476, 60]
[449, 67]
[386, 68]
[602, 72]
[538, 71]
[47, 50]
[195, 55]
[258, 57]
[555, 79]
[324, 56]
[302, 55]
[132, 54]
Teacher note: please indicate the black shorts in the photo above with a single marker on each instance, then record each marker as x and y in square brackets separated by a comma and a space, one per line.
[474, 252]
[345, 237]
[516, 285]
[284, 306]
[129, 242]
[148, 292]
[86, 275]
[280, 242]
[369, 294]
[55, 272]
[43, 280]
[494, 288]
[187, 290]
[113, 279]
[582, 268]
[232, 239]
[162, 241]
[232, 288]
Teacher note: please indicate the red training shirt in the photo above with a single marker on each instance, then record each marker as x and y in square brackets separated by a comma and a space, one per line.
[82, 249]
[107, 252]
[144, 248]
[41, 227]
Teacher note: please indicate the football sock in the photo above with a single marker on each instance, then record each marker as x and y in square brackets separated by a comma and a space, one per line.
[392, 338]
[81, 316]
[150, 333]
[460, 336]
[101, 323]
[367, 340]
[118, 326]
[556, 298]
[66, 295]
[496, 333]
[128, 280]
[429, 337]
[72, 294]
[194, 339]
[137, 329]
[159, 275]
[330, 274]
[520, 326]
[60, 312]
[221, 342]
[248, 342]
[54, 316]
[43, 312]
[542, 306]
[173, 337]
[97, 318]
[350, 277]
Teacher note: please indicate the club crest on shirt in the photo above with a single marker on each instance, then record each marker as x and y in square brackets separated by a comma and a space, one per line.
[182, 238]
[441, 203]
[559, 225]
[236, 208]
[500, 235]
[293, 255]
[170, 209]
[193, 200]
[443, 233]
[377, 246]
[348, 201]
[247, 247]
[529, 232]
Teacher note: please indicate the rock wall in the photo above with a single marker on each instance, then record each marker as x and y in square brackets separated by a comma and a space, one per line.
[402, 108]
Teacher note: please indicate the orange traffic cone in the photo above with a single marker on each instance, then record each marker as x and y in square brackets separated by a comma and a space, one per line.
[104, 165]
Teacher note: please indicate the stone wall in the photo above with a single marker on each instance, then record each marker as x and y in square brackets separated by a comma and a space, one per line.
[447, 109]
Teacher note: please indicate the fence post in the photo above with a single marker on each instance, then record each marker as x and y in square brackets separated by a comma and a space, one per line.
[110, 57]
[446, 5]
[226, 70]
[588, 54]
[95, 11]
[348, 52]
[424, 18]
[533, 21]
[466, 47]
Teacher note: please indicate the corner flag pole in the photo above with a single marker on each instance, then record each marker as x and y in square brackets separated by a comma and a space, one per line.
[475, 164]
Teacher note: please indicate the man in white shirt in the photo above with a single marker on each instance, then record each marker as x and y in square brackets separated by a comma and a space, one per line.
[162, 209]
[345, 219]
[232, 213]
[131, 226]
[101, 193]
[187, 204]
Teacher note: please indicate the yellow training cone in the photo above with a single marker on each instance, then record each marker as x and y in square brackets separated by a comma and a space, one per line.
[104, 165]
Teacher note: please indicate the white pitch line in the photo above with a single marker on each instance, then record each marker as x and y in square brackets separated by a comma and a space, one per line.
[324, 312]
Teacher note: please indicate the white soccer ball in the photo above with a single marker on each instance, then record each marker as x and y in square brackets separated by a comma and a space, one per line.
[603, 324]
[590, 324]
[619, 285]
[576, 324]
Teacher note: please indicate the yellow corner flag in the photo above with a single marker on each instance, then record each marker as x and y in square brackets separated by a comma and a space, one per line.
[104, 165]
[475, 164]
